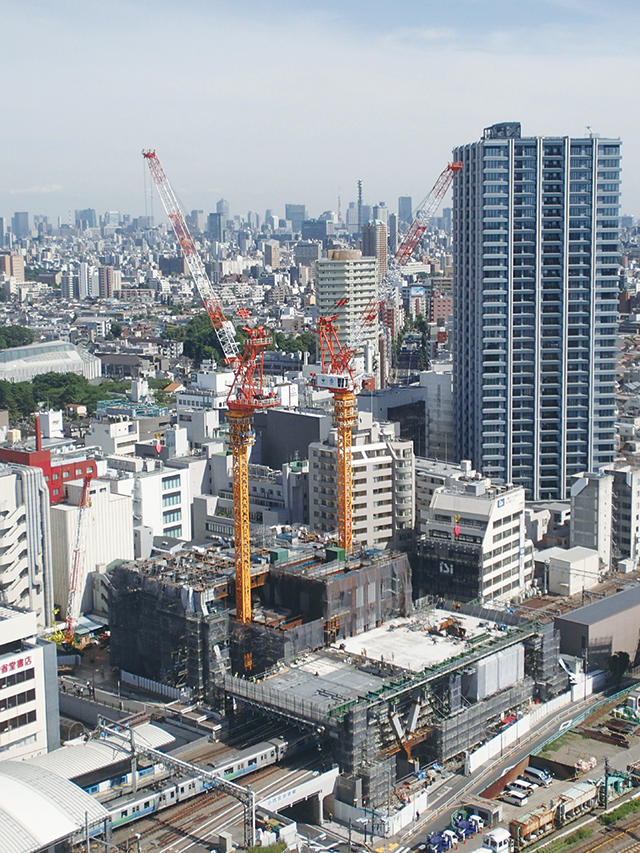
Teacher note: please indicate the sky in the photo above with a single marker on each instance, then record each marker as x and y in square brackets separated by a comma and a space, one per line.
[264, 103]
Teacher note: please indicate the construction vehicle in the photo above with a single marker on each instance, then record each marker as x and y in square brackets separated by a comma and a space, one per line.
[246, 395]
[78, 572]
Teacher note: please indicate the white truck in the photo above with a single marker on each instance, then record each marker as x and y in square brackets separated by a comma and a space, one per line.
[497, 840]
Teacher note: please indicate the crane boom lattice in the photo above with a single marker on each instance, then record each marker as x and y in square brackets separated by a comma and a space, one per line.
[224, 328]
[78, 572]
[425, 213]
[246, 394]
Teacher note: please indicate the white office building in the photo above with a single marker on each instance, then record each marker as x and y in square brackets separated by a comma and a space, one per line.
[474, 544]
[383, 484]
[29, 716]
[116, 436]
[109, 536]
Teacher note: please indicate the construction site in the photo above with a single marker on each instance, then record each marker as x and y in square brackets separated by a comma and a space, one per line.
[171, 620]
[325, 638]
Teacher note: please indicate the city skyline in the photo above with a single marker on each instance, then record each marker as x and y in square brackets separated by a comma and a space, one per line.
[264, 109]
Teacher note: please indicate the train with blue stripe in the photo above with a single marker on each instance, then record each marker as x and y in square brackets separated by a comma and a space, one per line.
[164, 793]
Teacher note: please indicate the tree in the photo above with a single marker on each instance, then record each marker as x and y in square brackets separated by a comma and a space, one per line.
[116, 330]
[15, 336]
[619, 663]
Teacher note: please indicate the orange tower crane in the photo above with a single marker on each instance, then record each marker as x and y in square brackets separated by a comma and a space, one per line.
[337, 373]
[246, 394]
[337, 376]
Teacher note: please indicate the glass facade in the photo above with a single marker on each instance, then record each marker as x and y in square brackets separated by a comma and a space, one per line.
[535, 306]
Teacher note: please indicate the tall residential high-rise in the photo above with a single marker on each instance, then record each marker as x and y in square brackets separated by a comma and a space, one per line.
[20, 224]
[535, 228]
[374, 244]
[346, 275]
[405, 209]
[106, 281]
[296, 214]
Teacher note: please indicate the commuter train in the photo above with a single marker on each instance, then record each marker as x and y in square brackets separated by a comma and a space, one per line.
[165, 793]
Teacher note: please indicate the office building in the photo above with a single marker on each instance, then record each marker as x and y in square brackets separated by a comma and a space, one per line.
[196, 221]
[381, 212]
[272, 254]
[26, 576]
[383, 485]
[535, 226]
[12, 264]
[222, 208]
[86, 219]
[591, 517]
[474, 545]
[296, 214]
[214, 227]
[346, 274]
[115, 436]
[374, 244]
[109, 537]
[392, 226]
[29, 713]
[20, 224]
[405, 210]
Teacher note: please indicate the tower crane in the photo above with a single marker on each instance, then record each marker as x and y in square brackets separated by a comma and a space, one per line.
[425, 212]
[246, 394]
[78, 572]
[337, 373]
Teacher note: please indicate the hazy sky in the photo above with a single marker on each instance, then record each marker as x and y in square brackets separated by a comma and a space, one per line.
[267, 102]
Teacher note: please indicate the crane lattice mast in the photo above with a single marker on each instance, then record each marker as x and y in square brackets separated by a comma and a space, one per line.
[246, 394]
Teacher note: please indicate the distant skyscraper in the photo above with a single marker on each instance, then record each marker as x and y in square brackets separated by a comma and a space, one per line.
[86, 218]
[405, 209]
[381, 212]
[3, 229]
[374, 244]
[20, 224]
[272, 254]
[296, 214]
[393, 233]
[535, 301]
[214, 226]
[222, 207]
[196, 221]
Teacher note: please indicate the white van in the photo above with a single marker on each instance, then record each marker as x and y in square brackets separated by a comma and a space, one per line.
[516, 798]
[521, 785]
[540, 777]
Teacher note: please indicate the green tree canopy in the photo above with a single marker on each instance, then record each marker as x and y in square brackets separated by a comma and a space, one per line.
[15, 336]
[619, 663]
